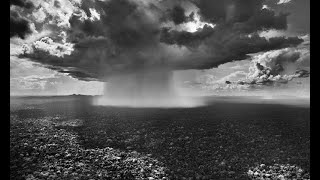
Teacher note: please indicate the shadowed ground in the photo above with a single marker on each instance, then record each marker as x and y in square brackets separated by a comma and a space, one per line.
[219, 141]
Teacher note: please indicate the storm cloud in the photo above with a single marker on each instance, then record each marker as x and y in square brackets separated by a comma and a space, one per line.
[98, 39]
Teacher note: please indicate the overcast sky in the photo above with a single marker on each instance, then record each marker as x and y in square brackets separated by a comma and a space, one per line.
[231, 47]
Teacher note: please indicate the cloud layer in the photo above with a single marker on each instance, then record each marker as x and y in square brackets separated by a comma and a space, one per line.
[92, 40]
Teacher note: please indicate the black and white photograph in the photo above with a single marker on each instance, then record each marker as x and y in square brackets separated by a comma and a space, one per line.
[159, 90]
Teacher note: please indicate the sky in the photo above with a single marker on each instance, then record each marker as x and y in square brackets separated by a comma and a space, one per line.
[231, 47]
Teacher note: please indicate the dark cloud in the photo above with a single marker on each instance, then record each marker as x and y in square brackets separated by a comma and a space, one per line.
[213, 10]
[299, 14]
[22, 3]
[177, 15]
[57, 4]
[121, 21]
[19, 26]
[243, 10]
[81, 29]
[222, 49]
[123, 39]
[79, 75]
[235, 32]
[265, 19]
[243, 15]
[302, 73]
[130, 35]
[229, 10]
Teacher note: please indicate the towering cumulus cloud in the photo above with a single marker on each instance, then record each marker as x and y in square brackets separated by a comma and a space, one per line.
[134, 45]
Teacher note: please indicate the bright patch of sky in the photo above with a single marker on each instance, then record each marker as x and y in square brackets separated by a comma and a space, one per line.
[27, 78]
[283, 1]
[194, 25]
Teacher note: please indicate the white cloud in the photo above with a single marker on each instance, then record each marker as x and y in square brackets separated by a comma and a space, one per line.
[265, 7]
[39, 15]
[272, 33]
[94, 14]
[46, 44]
[61, 14]
[290, 59]
[283, 1]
